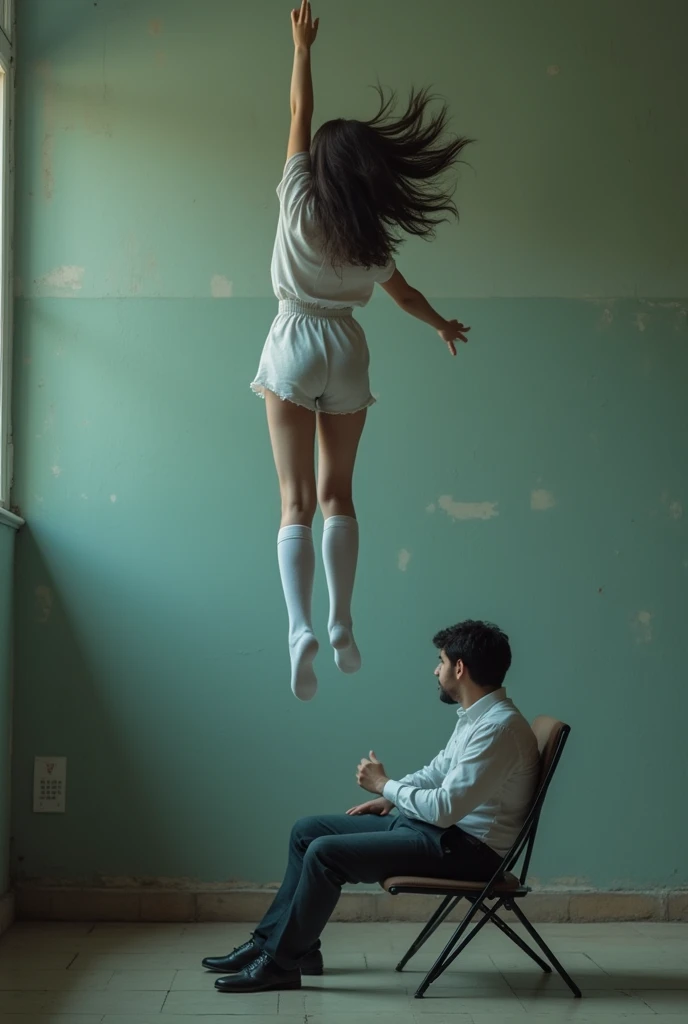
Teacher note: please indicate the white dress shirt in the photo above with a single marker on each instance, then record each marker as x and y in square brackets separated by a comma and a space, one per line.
[483, 781]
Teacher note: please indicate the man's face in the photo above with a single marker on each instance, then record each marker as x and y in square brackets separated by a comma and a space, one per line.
[446, 677]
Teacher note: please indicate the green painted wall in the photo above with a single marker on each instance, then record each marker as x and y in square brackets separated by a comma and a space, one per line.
[151, 632]
[6, 561]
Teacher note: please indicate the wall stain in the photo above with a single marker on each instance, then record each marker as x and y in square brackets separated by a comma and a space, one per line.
[541, 500]
[48, 147]
[642, 627]
[43, 599]
[468, 509]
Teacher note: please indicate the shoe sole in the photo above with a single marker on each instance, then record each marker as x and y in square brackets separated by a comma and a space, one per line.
[292, 986]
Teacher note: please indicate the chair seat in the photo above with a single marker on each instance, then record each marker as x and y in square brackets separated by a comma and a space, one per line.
[445, 886]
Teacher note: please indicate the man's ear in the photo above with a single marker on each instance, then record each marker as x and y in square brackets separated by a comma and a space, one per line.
[459, 669]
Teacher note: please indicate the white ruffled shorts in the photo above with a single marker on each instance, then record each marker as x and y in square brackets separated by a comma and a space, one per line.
[317, 358]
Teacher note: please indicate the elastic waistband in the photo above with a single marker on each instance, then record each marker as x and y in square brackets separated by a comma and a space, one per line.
[294, 306]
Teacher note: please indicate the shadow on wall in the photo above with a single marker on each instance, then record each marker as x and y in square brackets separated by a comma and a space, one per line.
[107, 768]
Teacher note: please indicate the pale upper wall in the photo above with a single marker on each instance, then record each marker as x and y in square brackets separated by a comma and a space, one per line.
[575, 188]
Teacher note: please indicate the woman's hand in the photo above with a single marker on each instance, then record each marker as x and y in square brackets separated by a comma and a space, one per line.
[451, 332]
[304, 28]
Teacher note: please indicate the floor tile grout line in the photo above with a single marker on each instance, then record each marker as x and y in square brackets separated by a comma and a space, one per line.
[599, 966]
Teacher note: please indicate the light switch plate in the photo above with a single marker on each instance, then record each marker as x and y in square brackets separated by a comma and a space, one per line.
[49, 785]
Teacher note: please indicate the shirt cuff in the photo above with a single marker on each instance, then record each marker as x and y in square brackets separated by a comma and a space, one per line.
[391, 791]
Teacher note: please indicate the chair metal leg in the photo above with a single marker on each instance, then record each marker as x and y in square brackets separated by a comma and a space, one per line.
[445, 908]
[511, 934]
[447, 957]
[545, 949]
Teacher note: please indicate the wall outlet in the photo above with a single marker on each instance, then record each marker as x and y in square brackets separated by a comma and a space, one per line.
[49, 785]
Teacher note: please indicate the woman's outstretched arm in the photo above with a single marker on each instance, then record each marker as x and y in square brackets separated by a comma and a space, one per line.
[414, 302]
[304, 30]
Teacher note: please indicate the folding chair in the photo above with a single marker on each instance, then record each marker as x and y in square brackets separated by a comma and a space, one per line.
[504, 887]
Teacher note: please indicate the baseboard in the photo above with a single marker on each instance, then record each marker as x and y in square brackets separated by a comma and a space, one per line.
[82, 904]
[7, 911]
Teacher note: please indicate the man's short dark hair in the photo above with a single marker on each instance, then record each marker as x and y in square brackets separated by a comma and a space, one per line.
[481, 646]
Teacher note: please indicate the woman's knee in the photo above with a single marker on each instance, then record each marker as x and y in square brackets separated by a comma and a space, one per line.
[335, 500]
[298, 508]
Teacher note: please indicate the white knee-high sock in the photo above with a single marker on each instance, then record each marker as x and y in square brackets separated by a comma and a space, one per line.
[296, 559]
[340, 554]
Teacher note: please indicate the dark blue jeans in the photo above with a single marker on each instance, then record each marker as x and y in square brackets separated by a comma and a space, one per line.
[325, 853]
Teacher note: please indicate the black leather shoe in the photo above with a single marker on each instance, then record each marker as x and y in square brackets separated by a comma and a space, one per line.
[311, 965]
[235, 961]
[263, 975]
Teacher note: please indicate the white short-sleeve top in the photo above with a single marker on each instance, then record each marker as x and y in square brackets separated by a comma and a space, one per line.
[299, 268]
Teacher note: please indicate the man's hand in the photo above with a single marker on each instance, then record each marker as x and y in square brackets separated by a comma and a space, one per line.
[370, 774]
[381, 807]
[304, 28]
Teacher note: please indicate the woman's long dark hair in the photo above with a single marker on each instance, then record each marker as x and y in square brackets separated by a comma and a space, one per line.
[372, 178]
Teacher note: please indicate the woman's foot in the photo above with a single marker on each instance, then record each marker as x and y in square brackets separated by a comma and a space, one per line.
[302, 652]
[347, 656]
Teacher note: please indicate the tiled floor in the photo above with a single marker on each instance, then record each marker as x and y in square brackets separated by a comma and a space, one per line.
[151, 974]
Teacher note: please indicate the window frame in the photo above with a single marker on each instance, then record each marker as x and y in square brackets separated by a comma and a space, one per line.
[7, 11]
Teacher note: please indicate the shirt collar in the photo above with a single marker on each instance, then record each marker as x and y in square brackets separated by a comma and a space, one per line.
[477, 710]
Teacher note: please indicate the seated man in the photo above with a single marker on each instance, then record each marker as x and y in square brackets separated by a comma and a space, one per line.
[457, 818]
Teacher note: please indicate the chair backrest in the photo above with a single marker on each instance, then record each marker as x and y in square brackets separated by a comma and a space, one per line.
[551, 736]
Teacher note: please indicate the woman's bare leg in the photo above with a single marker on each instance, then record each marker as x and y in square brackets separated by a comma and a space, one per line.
[338, 439]
[292, 433]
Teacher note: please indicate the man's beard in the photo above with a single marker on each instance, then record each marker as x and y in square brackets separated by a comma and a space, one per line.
[446, 698]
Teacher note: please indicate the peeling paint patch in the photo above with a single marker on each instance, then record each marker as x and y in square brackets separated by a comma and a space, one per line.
[553, 69]
[220, 287]
[642, 627]
[155, 26]
[542, 500]
[606, 319]
[403, 560]
[56, 471]
[468, 509]
[431, 507]
[62, 282]
[43, 599]
[674, 508]
[113, 498]
[569, 882]
[641, 320]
